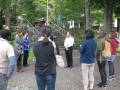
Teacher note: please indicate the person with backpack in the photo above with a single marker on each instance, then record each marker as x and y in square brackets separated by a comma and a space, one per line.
[87, 59]
[114, 44]
[101, 60]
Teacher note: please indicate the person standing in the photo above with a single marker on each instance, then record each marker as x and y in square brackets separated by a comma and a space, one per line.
[114, 44]
[18, 48]
[87, 59]
[26, 43]
[45, 65]
[5, 27]
[102, 36]
[6, 53]
[68, 44]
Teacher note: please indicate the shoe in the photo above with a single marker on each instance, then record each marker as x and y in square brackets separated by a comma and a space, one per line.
[25, 65]
[109, 78]
[67, 66]
[70, 66]
[113, 77]
[21, 69]
[100, 84]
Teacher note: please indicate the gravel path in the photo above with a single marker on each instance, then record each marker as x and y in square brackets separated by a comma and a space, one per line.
[67, 79]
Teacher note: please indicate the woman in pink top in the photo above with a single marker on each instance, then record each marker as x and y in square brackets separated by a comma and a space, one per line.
[114, 44]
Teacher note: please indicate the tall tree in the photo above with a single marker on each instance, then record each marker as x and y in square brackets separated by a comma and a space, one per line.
[107, 5]
[7, 12]
[87, 14]
[108, 14]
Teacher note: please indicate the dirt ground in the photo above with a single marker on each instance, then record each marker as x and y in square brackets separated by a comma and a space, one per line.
[67, 79]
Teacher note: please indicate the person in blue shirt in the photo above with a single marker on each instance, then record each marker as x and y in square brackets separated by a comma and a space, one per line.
[26, 43]
[87, 59]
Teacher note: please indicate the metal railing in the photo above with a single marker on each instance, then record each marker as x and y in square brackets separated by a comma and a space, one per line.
[61, 31]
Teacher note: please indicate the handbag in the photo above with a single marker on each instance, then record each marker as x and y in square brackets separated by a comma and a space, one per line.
[59, 59]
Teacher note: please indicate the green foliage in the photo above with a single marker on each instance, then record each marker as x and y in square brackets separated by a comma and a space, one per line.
[13, 34]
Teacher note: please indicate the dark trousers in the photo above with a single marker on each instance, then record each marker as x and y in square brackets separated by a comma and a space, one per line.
[102, 71]
[69, 56]
[19, 60]
[25, 57]
[111, 68]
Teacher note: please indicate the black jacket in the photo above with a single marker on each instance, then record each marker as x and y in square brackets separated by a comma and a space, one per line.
[45, 59]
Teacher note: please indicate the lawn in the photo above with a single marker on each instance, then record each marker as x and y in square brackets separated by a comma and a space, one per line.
[31, 55]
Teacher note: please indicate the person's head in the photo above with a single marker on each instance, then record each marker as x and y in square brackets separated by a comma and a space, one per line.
[5, 34]
[19, 32]
[89, 33]
[5, 27]
[68, 34]
[25, 33]
[112, 34]
[45, 32]
[101, 34]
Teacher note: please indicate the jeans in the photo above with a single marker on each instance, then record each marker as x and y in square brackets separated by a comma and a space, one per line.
[111, 68]
[26, 53]
[87, 73]
[48, 81]
[3, 82]
[102, 71]
[111, 65]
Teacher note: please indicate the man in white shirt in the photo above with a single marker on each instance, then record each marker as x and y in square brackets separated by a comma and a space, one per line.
[68, 44]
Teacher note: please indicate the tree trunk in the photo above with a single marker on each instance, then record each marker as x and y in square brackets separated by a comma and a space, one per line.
[7, 12]
[108, 13]
[87, 14]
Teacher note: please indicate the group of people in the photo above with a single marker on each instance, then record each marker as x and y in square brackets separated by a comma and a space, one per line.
[7, 52]
[21, 47]
[90, 51]
[44, 51]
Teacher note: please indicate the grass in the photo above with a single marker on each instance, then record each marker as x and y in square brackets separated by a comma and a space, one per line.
[118, 49]
[31, 55]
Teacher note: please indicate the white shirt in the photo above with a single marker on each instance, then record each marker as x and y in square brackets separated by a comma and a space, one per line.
[69, 41]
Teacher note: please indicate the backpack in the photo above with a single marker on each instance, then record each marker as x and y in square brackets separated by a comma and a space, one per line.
[107, 49]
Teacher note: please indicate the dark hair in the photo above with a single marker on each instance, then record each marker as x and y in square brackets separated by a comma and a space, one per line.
[19, 30]
[45, 32]
[102, 34]
[24, 32]
[113, 34]
[89, 33]
[5, 33]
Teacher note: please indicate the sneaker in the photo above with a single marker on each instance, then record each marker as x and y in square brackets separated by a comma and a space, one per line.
[102, 86]
[113, 77]
[109, 78]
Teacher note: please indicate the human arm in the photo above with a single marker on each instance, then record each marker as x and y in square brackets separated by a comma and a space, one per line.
[100, 47]
[71, 41]
[11, 66]
[19, 40]
[12, 61]
[82, 48]
[65, 44]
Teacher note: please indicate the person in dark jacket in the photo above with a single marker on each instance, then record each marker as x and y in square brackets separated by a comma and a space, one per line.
[45, 65]
[26, 43]
[102, 36]
[87, 59]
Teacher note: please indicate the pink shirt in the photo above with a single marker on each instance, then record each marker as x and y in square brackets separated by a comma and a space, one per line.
[114, 44]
